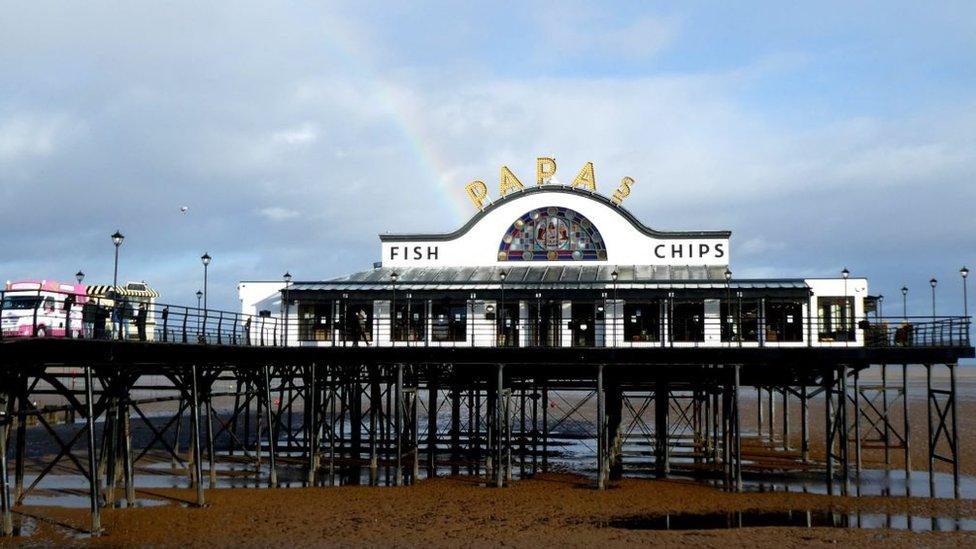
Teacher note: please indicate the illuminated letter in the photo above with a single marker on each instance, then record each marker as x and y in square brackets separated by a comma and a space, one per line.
[509, 182]
[477, 192]
[585, 177]
[545, 168]
[623, 191]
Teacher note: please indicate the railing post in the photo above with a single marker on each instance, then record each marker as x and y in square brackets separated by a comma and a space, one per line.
[186, 314]
[233, 332]
[34, 326]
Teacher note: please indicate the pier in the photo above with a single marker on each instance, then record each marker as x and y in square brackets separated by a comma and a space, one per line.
[348, 413]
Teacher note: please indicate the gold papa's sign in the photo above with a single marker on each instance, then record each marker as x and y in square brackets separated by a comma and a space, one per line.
[545, 169]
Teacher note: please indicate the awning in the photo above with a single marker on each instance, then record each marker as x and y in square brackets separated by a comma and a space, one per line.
[124, 291]
[552, 277]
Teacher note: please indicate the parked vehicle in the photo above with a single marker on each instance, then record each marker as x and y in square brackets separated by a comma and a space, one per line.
[42, 308]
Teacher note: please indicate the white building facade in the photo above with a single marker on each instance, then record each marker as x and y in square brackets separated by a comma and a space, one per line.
[555, 266]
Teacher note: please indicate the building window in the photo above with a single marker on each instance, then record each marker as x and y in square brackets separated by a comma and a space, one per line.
[784, 320]
[449, 321]
[552, 234]
[642, 321]
[315, 321]
[740, 327]
[688, 320]
[836, 318]
[410, 321]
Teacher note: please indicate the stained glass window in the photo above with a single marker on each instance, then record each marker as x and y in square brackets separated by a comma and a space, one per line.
[552, 234]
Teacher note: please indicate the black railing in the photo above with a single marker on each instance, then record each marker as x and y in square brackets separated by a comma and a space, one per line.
[43, 313]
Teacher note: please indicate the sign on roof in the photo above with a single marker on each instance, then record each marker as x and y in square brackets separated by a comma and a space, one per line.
[555, 224]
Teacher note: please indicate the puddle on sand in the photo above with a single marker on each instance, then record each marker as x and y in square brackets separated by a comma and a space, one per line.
[54, 498]
[794, 519]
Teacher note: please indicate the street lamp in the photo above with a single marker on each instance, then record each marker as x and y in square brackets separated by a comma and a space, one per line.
[904, 302]
[394, 276]
[964, 273]
[79, 276]
[501, 309]
[199, 297]
[933, 283]
[881, 305]
[613, 318]
[205, 259]
[117, 239]
[728, 300]
[848, 321]
[287, 278]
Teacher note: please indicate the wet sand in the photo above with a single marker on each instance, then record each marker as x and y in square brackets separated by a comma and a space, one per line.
[550, 510]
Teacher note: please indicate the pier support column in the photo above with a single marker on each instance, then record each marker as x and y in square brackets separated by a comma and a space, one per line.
[96, 521]
[6, 516]
[312, 428]
[195, 434]
[22, 405]
[615, 435]
[499, 427]
[662, 405]
[737, 429]
[415, 432]
[398, 427]
[804, 423]
[545, 426]
[127, 465]
[272, 439]
[211, 458]
[601, 432]
[786, 417]
[455, 429]
[908, 432]
[375, 402]
[857, 430]
[432, 421]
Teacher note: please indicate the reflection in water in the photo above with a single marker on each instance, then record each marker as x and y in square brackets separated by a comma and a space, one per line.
[792, 518]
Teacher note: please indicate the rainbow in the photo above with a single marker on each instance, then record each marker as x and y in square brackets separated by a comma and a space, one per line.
[351, 52]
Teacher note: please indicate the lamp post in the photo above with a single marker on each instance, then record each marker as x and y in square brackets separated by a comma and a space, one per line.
[393, 278]
[964, 273]
[614, 275]
[933, 283]
[287, 278]
[904, 302]
[117, 239]
[79, 276]
[881, 305]
[501, 309]
[199, 323]
[205, 259]
[846, 274]
[728, 300]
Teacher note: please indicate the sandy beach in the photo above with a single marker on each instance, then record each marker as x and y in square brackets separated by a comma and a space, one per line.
[553, 509]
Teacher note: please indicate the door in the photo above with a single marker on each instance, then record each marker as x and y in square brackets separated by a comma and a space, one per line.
[544, 317]
[507, 325]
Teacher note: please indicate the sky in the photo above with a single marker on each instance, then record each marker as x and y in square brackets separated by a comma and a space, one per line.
[840, 134]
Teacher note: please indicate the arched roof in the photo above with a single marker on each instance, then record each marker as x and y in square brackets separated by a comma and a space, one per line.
[552, 189]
